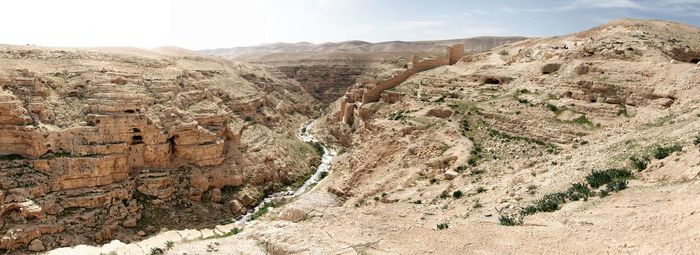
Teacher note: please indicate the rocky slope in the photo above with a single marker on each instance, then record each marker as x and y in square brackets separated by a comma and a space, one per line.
[327, 70]
[497, 140]
[102, 144]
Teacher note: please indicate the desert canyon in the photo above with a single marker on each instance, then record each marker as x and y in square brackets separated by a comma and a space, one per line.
[580, 143]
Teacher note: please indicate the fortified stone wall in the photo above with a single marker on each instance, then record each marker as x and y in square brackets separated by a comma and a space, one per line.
[373, 94]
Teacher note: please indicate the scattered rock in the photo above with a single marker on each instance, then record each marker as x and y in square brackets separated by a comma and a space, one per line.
[449, 174]
[440, 112]
[141, 233]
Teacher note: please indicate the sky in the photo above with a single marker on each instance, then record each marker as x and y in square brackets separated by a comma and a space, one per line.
[206, 24]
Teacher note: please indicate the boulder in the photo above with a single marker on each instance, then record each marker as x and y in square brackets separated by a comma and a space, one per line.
[36, 245]
[440, 112]
[216, 195]
[449, 174]
[293, 214]
[581, 69]
[550, 68]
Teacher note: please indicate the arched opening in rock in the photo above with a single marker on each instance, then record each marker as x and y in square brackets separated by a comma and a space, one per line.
[171, 141]
[137, 139]
[492, 81]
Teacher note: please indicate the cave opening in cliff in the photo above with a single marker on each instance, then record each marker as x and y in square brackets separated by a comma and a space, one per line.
[137, 139]
[171, 141]
[695, 60]
[492, 81]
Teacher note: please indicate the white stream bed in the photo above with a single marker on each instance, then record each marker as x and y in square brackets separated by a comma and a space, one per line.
[119, 247]
[328, 154]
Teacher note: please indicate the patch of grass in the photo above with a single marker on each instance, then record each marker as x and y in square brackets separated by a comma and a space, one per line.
[639, 163]
[551, 148]
[233, 231]
[480, 190]
[552, 107]
[661, 152]
[583, 121]
[442, 226]
[600, 178]
[509, 220]
[457, 194]
[169, 245]
[261, 212]
[397, 116]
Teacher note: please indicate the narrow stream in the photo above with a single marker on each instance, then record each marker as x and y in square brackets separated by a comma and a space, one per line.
[328, 154]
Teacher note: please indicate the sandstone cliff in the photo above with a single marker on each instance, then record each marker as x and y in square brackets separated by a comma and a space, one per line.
[99, 144]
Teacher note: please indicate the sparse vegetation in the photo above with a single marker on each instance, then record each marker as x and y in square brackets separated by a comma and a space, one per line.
[639, 163]
[600, 178]
[169, 245]
[578, 191]
[582, 121]
[457, 194]
[616, 185]
[696, 139]
[399, 115]
[156, 251]
[661, 152]
[480, 190]
[442, 226]
[510, 220]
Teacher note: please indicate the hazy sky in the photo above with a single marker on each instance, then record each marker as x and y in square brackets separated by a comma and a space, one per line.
[200, 24]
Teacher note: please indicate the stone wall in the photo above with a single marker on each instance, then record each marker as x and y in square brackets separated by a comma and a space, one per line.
[373, 93]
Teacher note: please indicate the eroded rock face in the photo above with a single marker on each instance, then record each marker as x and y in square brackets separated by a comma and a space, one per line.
[101, 151]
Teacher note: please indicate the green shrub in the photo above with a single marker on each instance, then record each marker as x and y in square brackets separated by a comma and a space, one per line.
[507, 220]
[696, 140]
[169, 245]
[550, 202]
[397, 116]
[639, 163]
[442, 226]
[552, 107]
[457, 194]
[600, 178]
[480, 190]
[465, 126]
[661, 152]
[578, 191]
[417, 202]
[157, 251]
[444, 194]
[616, 185]
[461, 168]
[322, 175]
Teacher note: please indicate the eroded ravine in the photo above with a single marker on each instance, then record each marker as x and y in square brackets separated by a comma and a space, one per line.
[159, 241]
